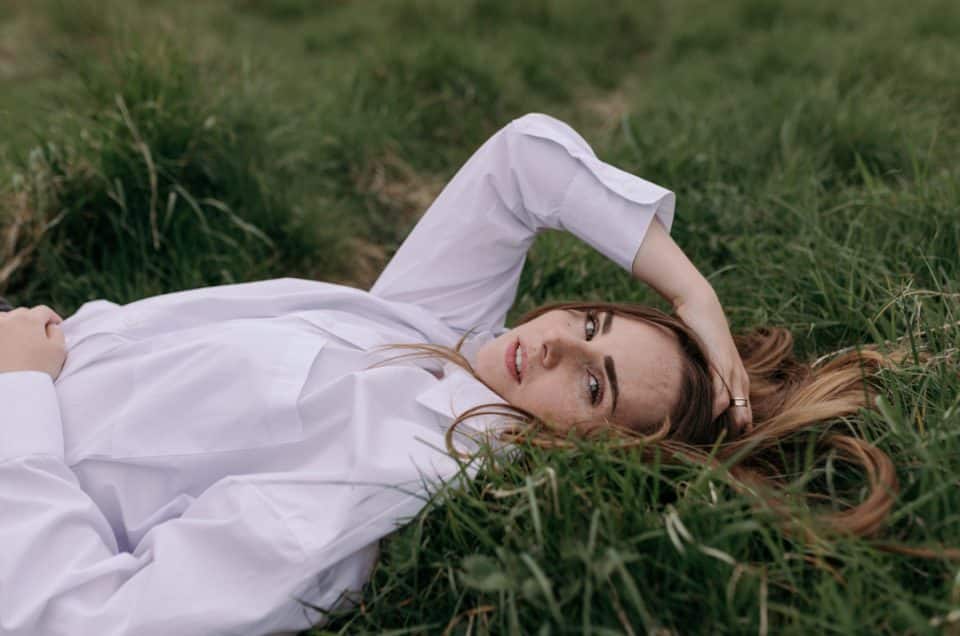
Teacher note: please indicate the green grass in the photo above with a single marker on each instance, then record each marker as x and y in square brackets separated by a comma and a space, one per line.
[813, 149]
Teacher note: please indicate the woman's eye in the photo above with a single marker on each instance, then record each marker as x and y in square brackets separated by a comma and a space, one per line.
[594, 386]
[590, 328]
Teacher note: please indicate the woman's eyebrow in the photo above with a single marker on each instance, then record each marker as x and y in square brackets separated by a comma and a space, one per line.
[608, 364]
[612, 380]
[607, 321]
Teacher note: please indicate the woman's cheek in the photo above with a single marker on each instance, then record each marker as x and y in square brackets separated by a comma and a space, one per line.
[531, 398]
[554, 410]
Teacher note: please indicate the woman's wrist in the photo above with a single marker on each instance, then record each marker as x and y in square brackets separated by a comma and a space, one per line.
[701, 311]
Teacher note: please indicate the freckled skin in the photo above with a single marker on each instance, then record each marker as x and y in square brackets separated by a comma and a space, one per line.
[555, 384]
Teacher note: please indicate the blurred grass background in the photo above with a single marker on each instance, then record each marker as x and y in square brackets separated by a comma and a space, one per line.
[148, 146]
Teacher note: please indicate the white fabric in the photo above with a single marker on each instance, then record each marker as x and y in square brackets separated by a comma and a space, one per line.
[210, 458]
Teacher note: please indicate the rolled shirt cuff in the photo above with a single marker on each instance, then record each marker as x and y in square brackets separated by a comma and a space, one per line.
[623, 207]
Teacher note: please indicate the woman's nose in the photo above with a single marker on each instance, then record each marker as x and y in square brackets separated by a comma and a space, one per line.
[556, 346]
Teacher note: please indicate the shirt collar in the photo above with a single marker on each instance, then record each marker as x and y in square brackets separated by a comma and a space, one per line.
[458, 390]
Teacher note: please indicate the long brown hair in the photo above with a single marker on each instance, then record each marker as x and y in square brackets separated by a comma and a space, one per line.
[790, 400]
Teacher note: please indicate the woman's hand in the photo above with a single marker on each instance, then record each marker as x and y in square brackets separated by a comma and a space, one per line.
[660, 263]
[705, 316]
[31, 340]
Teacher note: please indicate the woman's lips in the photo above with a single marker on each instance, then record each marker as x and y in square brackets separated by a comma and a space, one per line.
[523, 360]
[510, 358]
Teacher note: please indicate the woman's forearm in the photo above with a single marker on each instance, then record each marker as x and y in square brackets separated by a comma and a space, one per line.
[661, 263]
[463, 260]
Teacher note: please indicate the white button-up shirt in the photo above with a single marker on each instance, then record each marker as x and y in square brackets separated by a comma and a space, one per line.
[208, 459]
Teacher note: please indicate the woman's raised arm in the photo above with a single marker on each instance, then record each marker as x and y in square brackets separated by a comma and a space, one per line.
[662, 264]
[463, 259]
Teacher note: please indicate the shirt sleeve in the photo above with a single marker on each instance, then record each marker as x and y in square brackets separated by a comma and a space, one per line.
[227, 565]
[463, 259]
[196, 307]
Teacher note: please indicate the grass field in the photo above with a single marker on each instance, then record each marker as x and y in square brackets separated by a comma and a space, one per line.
[150, 145]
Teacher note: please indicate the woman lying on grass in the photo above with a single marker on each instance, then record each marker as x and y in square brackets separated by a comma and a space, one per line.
[217, 460]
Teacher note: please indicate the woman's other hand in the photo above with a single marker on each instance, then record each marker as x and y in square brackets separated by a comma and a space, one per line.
[31, 340]
[705, 316]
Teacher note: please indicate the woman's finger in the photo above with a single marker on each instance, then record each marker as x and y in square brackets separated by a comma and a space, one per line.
[45, 314]
[721, 399]
[742, 418]
[736, 385]
[742, 415]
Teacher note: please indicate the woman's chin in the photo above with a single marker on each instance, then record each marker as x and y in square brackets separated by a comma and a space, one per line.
[489, 368]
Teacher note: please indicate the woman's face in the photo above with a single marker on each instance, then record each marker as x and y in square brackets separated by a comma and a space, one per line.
[578, 369]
